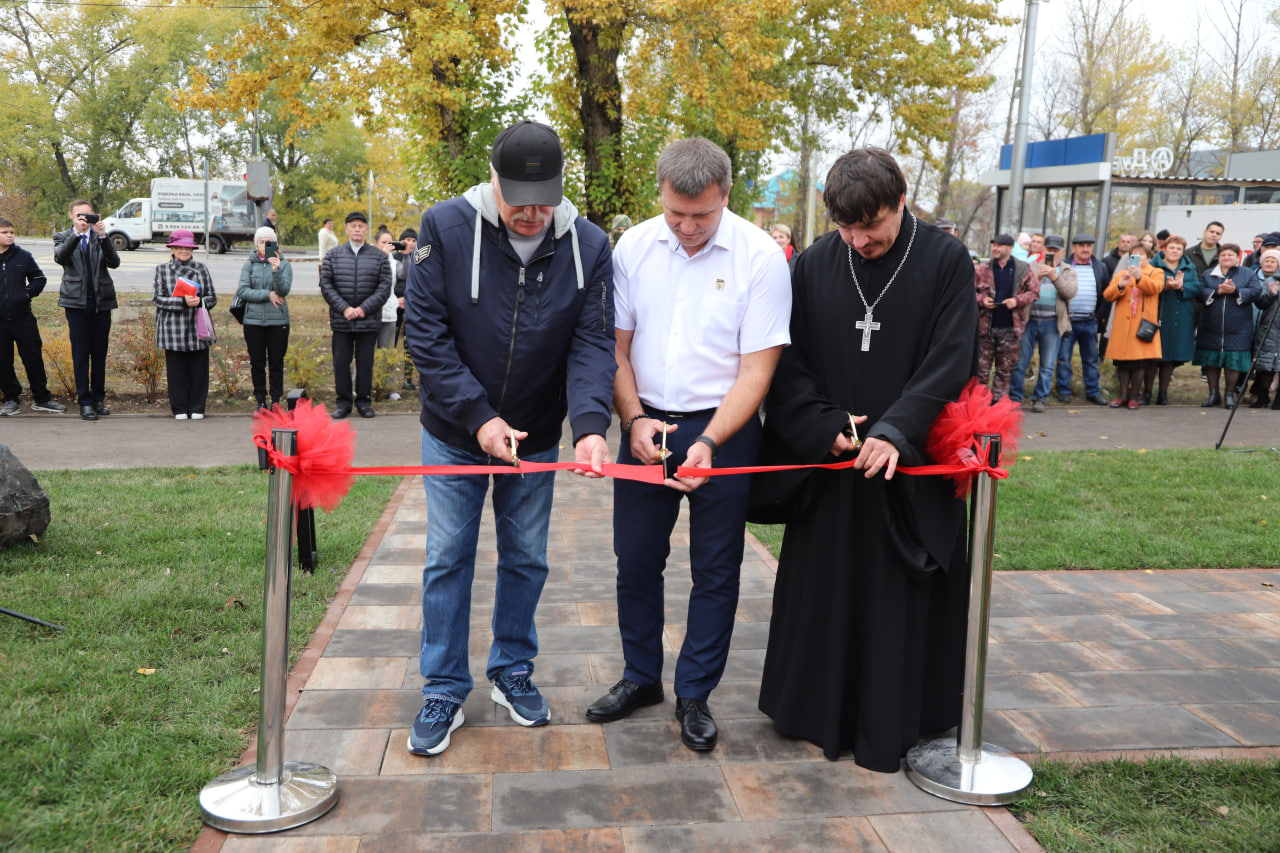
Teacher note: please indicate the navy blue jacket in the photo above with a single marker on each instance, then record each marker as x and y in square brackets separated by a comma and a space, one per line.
[1226, 324]
[20, 281]
[493, 337]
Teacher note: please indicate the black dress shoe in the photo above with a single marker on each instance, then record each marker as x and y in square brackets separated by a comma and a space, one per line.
[88, 413]
[697, 730]
[623, 699]
[1098, 400]
[101, 410]
[1230, 402]
[341, 412]
[1146, 398]
[365, 411]
[1162, 399]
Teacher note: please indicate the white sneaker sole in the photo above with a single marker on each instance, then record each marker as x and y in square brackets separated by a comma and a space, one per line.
[498, 697]
[458, 719]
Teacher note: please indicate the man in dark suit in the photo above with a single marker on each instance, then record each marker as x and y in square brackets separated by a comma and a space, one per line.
[88, 295]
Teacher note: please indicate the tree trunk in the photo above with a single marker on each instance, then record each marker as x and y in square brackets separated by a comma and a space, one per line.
[950, 158]
[802, 186]
[596, 47]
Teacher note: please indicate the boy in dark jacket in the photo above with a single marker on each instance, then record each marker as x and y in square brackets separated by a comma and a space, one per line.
[21, 281]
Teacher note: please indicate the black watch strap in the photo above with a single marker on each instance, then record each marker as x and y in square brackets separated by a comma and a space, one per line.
[709, 442]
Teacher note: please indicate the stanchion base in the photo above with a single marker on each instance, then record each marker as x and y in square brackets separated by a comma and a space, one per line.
[237, 802]
[996, 779]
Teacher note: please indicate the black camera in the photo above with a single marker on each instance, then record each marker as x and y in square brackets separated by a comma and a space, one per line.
[91, 218]
[398, 245]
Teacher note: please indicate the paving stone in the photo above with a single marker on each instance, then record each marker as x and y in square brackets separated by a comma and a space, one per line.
[1062, 629]
[637, 796]
[382, 616]
[1203, 626]
[1114, 582]
[506, 749]
[637, 744]
[954, 832]
[853, 834]
[1181, 654]
[522, 841]
[357, 674]
[416, 805]
[405, 594]
[1044, 657]
[824, 789]
[1262, 685]
[1128, 727]
[742, 665]
[392, 573]
[1208, 602]
[1253, 724]
[373, 643]
[355, 752]
[409, 557]
[1025, 690]
[354, 709]
[1172, 687]
[288, 844]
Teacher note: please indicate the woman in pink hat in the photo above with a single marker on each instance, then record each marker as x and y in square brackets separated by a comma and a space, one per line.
[186, 356]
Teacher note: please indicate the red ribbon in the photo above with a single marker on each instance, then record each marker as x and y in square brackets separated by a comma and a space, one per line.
[640, 473]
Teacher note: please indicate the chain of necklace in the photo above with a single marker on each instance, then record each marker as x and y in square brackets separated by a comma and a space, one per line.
[872, 307]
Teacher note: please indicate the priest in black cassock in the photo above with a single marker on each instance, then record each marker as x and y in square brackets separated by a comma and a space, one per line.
[866, 642]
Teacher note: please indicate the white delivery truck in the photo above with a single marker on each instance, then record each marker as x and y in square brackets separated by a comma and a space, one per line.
[1241, 221]
[180, 203]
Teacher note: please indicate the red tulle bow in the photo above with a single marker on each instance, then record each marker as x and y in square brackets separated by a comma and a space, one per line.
[953, 436]
[326, 448]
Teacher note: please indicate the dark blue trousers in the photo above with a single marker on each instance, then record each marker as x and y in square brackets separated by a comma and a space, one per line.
[90, 332]
[644, 516]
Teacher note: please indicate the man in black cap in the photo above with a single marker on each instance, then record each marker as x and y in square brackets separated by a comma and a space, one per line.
[1005, 287]
[1091, 280]
[355, 280]
[509, 320]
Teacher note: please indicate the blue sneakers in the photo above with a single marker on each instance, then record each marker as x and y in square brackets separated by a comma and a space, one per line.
[514, 691]
[433, 725]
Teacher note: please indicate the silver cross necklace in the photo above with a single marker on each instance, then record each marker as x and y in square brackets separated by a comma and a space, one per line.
[867, 324]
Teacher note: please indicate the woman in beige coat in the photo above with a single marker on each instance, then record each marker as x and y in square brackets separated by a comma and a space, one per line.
[1135, 289]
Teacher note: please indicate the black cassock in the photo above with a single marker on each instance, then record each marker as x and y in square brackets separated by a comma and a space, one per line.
[866, 642]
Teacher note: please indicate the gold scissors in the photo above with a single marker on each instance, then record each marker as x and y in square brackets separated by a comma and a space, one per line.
[515, 459]
[853, 431]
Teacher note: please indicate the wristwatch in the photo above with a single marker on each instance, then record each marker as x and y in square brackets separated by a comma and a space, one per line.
[709, 442]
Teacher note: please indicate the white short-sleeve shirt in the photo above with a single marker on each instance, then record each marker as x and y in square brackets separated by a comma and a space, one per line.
[693, 318]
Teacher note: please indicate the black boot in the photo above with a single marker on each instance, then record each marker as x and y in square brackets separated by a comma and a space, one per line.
[1214, 399]
[1264, 400]
[1146, 398]
[1230, 402]
[1276, 403]
[1162, 399]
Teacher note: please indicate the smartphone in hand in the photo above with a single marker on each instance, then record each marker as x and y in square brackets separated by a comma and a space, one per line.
[271, 250]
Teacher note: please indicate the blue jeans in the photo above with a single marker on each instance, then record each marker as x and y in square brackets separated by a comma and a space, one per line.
[522, 516]
[1086, 334]
[1044, 332]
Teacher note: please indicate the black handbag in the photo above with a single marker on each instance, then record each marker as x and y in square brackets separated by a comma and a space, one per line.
[237, 309]
[1147, 329]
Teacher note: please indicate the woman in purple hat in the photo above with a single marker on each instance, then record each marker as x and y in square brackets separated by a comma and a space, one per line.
[182, 287]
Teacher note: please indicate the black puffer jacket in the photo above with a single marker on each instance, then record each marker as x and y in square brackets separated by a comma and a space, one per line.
[361, 280]
[20, 281]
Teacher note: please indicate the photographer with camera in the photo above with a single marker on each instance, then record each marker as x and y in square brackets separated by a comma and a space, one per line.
[387, 331]
[88, 295]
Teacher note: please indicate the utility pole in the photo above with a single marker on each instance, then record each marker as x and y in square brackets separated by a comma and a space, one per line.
[1019, 164]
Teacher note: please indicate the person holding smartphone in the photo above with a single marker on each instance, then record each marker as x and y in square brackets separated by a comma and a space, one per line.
[265, 280]
[1177, 316]
[1134, 290]
[87, 295]
[1048, 321]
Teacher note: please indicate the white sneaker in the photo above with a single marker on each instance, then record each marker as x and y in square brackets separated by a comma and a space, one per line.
[395, 395]
[197, 416]
[181, 417]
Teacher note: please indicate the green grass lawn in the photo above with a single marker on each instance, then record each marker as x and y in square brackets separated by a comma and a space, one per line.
[147, 569]
[1128, 509]
[1163, 805]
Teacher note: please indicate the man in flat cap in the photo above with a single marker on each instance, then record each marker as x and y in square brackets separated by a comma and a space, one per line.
[509, 321]
[355, 279]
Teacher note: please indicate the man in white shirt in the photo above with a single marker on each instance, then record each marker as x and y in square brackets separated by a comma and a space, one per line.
[703, 307]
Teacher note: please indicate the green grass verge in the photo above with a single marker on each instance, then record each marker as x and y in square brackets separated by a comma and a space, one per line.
[1130, 509]
[1163, 805]
[148, 569]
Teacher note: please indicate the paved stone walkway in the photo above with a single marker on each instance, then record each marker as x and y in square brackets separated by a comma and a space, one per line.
[1081, 663]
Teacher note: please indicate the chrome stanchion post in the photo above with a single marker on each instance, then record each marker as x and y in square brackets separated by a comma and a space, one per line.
[964, 769]
[274, 794]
